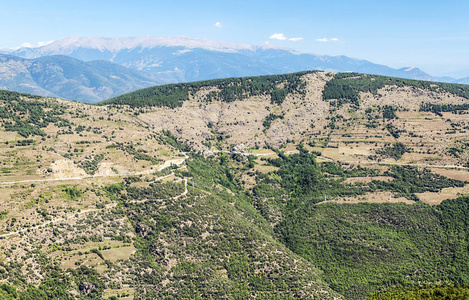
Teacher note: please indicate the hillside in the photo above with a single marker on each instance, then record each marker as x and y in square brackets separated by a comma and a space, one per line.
[347, 117]
[308, 185]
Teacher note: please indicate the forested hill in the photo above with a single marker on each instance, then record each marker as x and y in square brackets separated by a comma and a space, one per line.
[343, 86]
[227, 90]
[309, 185]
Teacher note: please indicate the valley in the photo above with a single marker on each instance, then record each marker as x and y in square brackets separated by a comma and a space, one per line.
[311, 185]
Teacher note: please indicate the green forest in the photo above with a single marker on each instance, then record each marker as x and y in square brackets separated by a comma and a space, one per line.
[422, 293]
[345, 87]
[228, 90]
[28, 117]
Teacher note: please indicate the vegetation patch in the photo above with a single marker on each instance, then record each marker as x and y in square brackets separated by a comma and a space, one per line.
[367, 247]
[269, 119]
[437, 109]
[90, 164]
[72, 192]
[168, 138]
[424, 292]
[389, 112]
[408, 180]
[27, 117]
[393, 130]
[394, 151]
[22, 143]
[3, 214]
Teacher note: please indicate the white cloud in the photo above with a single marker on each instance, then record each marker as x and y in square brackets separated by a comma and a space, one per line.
[39, 44]
[295, 39]
[218, 25]
[328, 40]
[278, 36]
[282, 37]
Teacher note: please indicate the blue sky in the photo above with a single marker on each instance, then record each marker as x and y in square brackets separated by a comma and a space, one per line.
[432, 35]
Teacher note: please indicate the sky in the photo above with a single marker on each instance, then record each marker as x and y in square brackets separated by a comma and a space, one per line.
[431, 35]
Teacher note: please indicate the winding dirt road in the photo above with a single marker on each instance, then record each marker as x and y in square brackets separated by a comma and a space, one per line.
[167, 164]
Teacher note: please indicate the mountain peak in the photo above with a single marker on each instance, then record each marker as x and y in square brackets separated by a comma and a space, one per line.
[414, 73]
[127, 43]
[411, 68]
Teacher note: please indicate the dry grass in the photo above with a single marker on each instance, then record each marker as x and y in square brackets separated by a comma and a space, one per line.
[452, 173]
[379, 197]
[353, 180]
[265, 169]
[122, 252]
[119, 293]
[81, 253]
[444, 194]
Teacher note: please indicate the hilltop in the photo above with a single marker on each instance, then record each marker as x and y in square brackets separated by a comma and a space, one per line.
[303, 185]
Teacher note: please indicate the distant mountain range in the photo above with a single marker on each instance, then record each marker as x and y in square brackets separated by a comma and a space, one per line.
[93, 68]
[69, 78]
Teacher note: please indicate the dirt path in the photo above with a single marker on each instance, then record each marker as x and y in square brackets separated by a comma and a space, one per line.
[161, 178]
[167, 164]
